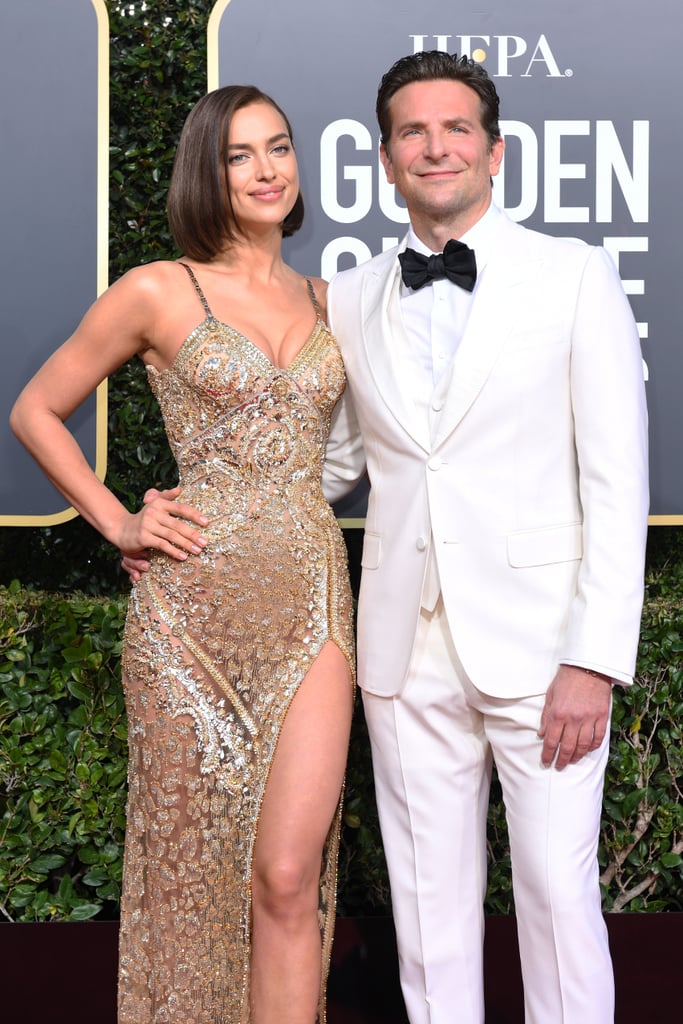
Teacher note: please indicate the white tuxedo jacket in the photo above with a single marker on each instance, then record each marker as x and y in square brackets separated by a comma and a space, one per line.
[529, 479]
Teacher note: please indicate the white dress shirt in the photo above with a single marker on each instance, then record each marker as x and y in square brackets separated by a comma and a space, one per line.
[435, 317]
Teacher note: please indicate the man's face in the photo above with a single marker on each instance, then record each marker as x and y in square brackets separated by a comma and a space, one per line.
[438, 155]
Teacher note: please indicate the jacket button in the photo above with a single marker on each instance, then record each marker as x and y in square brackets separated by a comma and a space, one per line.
[421, 544]
[435, 463]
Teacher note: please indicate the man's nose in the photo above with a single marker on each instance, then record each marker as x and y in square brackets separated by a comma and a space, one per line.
[435, 145]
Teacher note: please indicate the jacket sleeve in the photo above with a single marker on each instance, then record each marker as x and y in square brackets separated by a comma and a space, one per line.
[610, 425]
[344, 455]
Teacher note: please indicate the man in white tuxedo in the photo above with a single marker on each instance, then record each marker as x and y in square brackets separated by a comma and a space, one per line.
[504, 426]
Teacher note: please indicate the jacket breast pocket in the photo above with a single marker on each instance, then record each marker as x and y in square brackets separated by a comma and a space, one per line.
[372, 551]
[543, 547]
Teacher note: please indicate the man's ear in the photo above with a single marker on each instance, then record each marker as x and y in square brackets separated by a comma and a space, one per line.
[386, 163]
[496, 155]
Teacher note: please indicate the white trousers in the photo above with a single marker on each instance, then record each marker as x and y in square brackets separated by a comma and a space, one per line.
[432, 747]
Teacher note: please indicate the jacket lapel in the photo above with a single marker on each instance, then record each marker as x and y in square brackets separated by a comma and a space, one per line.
[381, 324]
[498, 308]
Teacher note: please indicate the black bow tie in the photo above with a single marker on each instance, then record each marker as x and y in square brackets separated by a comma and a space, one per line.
[456, 262]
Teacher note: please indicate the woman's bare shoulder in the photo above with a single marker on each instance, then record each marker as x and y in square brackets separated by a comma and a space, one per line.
[151, 290]
[152, 277]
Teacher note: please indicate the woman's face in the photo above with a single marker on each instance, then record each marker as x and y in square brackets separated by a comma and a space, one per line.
[263, 177]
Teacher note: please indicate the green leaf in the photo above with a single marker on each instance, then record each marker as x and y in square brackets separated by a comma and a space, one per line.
[46, 863]
[84, 911]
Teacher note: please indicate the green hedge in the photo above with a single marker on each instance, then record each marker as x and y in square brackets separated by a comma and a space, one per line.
[62, 730]
[62, 756]
[157, 73]
[642, 851]
[63, 749]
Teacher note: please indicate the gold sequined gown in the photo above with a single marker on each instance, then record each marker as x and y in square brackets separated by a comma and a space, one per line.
[215, 648]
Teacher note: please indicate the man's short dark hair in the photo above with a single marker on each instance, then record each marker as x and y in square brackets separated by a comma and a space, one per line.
[434, 65]
[200, 214]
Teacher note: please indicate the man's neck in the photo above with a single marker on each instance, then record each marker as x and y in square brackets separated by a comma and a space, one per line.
[436, 233]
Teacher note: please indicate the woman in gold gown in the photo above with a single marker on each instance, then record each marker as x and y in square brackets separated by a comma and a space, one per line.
[238, 653]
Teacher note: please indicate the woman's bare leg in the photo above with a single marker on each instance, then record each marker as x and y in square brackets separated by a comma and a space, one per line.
[301, 797]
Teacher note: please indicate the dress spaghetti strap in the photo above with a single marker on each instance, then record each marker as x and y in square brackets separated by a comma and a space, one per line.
[314, 298]
[198, 290]
[207, 310]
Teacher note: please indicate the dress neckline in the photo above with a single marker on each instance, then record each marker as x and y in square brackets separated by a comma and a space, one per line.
[211, 325]
[211, 319]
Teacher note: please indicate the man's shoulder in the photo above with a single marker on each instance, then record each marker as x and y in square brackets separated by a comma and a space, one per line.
[559, 257]
[542, 245]
[376, 266]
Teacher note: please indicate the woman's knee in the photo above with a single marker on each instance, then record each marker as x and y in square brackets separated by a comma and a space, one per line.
[286, 888]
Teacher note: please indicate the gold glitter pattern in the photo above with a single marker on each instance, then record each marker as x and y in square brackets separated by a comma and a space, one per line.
[215, 649]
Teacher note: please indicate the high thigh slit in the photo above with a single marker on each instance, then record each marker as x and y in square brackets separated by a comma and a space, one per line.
[301, 799]
[215, 649]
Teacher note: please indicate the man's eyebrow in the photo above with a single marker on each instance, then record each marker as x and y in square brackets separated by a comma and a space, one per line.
[448, 121]
[410, 124]
[465, 121]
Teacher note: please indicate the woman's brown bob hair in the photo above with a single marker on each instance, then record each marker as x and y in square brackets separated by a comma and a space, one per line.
[200, 213]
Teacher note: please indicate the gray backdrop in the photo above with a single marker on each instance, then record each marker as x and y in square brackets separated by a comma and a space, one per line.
[588, 102]
[588, 92]
[48, 192]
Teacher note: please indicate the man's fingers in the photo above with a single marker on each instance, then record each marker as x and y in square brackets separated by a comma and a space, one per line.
[153, 493]
[135, 565]
[553, 735]
[575, 716]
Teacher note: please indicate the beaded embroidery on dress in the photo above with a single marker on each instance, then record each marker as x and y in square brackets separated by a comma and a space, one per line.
[215, 648]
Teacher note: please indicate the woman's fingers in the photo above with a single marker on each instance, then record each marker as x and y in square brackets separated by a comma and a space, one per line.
[162, 524]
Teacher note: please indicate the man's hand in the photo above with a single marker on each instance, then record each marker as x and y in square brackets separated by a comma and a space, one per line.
[160, 525]
[575, 716]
